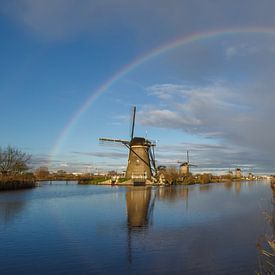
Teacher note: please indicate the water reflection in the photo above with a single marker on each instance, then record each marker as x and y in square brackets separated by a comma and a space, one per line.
[9, 209]
[138, 202]
[205, 187]
[238, 186]
[228, 185]
[172, 194]
[273, 212]
[267, 245]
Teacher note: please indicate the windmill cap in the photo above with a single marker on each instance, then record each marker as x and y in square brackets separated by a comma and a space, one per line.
[139, 141]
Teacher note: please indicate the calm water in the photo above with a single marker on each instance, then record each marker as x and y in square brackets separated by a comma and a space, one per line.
[59, 228]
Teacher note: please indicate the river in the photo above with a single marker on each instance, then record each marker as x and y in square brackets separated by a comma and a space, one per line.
[64, 228]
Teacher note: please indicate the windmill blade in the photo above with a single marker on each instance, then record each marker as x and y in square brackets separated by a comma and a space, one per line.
[152, 159]
[111, 144]
[133, 122]
[114, 140]
[188, 160]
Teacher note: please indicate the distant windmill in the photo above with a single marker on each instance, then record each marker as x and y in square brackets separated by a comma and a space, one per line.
[184, 166]
[141, 160]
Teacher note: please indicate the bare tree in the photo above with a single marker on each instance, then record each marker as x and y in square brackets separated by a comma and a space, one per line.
[42, 172]
[171, 175]
[13, 161]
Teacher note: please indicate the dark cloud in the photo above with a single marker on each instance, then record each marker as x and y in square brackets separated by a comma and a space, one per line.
[112, 155]
[59, 19]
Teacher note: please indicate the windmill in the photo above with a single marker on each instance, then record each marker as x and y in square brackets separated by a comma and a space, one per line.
[141, 160]
[184, 166]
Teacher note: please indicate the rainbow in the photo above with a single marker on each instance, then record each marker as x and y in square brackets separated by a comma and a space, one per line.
[164, 48]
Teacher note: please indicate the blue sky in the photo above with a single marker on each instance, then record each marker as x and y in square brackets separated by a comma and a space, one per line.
[214, 96]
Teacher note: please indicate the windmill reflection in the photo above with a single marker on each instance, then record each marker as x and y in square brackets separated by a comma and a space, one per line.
[138, 205]
[140, 202]
[238, 186]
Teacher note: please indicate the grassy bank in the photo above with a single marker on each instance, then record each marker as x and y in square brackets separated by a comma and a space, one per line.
[95, 180]
[16, 182]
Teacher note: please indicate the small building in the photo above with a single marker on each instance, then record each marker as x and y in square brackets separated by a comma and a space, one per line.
[238, 173]
[250, 176]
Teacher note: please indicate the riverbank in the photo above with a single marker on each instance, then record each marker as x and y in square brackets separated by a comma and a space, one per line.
[168, 179]
[95, 181]
[16, 183]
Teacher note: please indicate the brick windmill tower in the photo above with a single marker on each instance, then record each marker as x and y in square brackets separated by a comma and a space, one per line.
[141, 160]
[185, 166]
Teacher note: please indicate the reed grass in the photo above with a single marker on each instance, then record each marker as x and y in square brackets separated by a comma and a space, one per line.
[16, 182]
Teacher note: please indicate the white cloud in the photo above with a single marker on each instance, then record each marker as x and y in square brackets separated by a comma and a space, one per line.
[166, 91]
[167, 119]
[241, 50]
[190, 108]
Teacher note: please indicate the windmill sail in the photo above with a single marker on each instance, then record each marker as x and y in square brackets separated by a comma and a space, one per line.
[114, 140]
[133, 122]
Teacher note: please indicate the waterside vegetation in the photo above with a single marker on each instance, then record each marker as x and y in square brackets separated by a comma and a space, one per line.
[17, 182]
[167, 176]
[13, 170]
